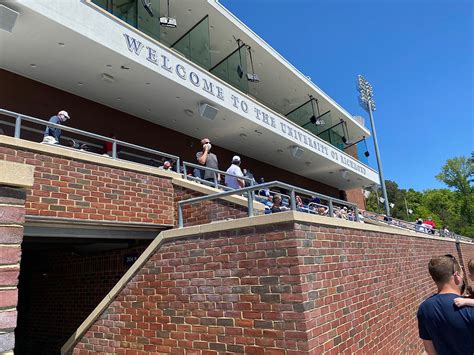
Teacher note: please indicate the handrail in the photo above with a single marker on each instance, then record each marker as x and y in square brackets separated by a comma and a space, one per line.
[414, 227]
[215, 171]
[20, 117]
[250, 189]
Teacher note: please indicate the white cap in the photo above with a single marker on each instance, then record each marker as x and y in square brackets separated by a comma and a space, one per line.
[64, 113]
[236, 158]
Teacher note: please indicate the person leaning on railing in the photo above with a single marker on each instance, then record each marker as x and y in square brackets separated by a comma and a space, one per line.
[53, 134]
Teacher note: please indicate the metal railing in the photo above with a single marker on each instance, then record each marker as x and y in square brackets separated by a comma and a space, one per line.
[215, 183]
[420, 228]
[292, 189]
[115, 143]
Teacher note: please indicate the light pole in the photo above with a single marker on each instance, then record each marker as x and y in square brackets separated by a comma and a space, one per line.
[366, 100]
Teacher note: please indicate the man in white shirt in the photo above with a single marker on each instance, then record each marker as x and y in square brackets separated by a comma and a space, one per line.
[234, 169]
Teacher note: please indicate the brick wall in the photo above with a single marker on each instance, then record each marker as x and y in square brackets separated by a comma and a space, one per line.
[292, 288]
[12, 218]
[59, 287]
[206, 211]
[68, 188]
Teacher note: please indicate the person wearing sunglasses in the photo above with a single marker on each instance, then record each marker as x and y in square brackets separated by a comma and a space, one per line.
[444, 327]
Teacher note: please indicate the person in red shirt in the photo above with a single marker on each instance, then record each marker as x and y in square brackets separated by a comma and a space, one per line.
[430, 223]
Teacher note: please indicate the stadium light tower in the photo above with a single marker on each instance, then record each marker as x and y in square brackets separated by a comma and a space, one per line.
[366, 100]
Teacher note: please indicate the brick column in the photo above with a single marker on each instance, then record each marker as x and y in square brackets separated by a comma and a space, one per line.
[14, 179]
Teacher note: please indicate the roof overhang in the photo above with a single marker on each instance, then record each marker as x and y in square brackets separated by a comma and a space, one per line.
[73, 44]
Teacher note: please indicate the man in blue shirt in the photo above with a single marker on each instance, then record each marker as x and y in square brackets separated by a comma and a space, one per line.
[443, 327]
[52, 134]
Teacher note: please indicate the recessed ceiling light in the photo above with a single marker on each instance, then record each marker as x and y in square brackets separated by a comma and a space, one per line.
[147, 83]
[33, 65]
[118, 99]
[178, 97]
[190, 10]
[79, 83]
[123, 67]
[108, 65]
[61, 44]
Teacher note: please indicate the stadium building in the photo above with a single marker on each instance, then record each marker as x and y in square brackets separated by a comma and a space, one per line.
[159, 76]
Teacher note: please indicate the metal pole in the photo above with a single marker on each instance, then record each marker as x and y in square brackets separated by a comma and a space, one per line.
[378, 202]
[114, 149]
[293, 200]
[17, 126]
[250, 204]
[379, 162]
[331, 209]
[406, 206]
[180, 216]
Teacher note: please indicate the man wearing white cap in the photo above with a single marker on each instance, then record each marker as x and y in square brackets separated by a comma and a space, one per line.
[52, 134]
[233, 181]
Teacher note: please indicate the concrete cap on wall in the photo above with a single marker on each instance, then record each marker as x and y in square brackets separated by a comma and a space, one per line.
[16, 174]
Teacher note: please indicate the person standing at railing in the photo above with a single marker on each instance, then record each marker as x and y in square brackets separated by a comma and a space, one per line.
[234, 169]
[53, 134]
[209, 160]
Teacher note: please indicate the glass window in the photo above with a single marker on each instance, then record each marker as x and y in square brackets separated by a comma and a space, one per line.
[195, 44]
[234, 70]
[134, 13]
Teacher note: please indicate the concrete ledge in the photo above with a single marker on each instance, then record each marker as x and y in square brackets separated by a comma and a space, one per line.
[66, 152]
[187, 232]
[16, 174]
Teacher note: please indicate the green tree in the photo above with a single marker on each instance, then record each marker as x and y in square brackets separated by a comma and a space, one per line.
[457, 173]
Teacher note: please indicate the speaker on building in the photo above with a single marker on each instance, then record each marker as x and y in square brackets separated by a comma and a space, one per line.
[208, 111]
[297, 152]
[8, 18]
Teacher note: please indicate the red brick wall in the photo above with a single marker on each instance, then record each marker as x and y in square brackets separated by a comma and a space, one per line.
[282, 289]
[59, 288]
[12, 218]
[73, 189]
[207, 211]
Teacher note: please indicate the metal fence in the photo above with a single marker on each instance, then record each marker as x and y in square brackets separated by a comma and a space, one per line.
[420, 228]
[276, 184]
[19, 118]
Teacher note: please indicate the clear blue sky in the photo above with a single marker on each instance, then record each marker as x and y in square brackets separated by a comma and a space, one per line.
[417, 54]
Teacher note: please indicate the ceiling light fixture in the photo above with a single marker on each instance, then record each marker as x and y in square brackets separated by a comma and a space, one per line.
[252, 77]
[316, 120]
[240, 70]
[168, 21]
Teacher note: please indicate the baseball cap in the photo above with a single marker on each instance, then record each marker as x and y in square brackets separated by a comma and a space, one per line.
[64, 113]
[236, 158]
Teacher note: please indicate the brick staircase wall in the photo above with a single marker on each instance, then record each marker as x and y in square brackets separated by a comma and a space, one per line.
[277, 288]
